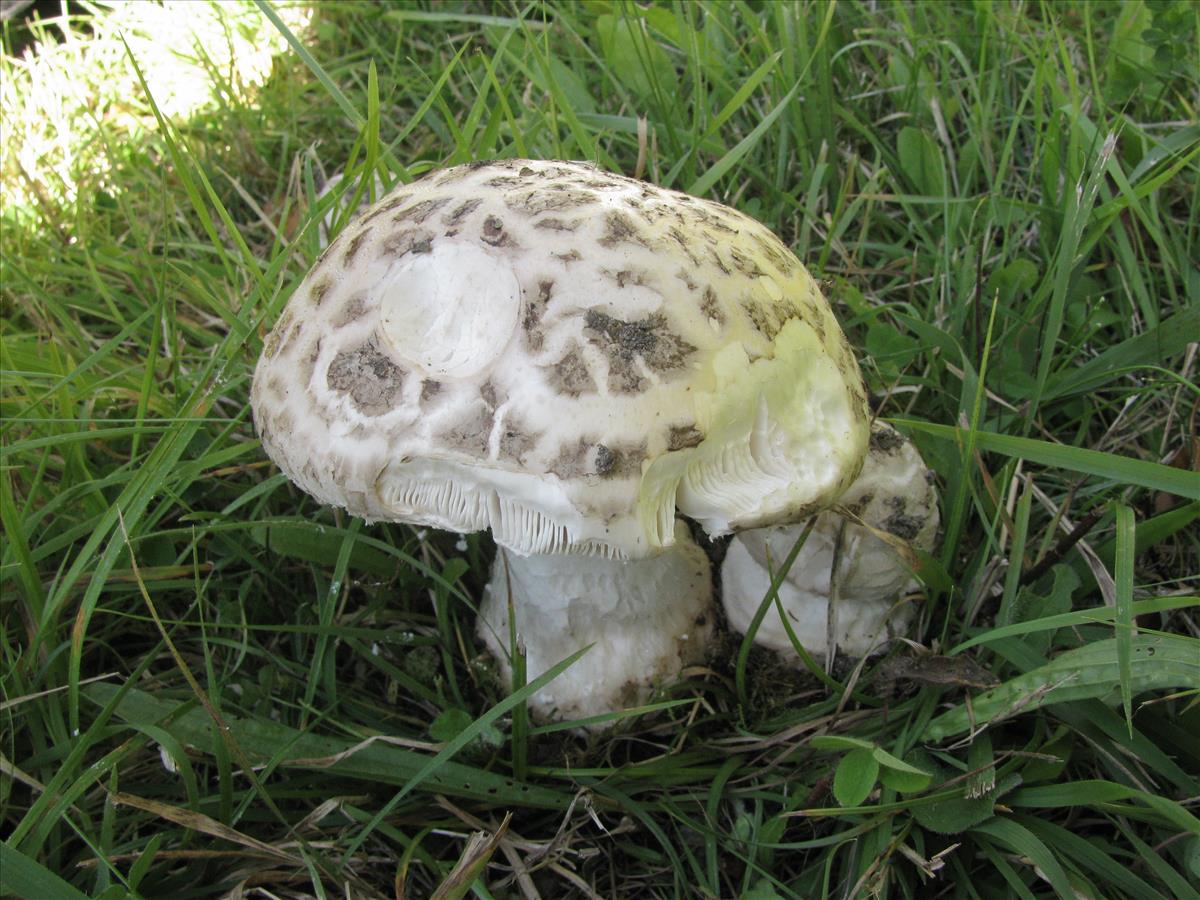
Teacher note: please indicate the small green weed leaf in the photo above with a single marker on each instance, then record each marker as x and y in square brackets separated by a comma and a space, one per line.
[456, 567]
[1129, 56]
[771, 832]
[450, 724]
[855, 777]
[921, 161]
[954, 815]
[916, 79]
[571, 85]
[904, 782]
[1006, 212]
[1030, 605]
[1088, 307]
[1012, 280]
[887, 760]
[1010, 371]
[931, 572]
[931, 336]
[743, 828]
[1158, 661]
[597, 7]
[666, 23]
[891, 349]
[852, 296]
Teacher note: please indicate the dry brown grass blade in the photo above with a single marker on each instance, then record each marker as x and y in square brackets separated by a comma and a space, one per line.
[902, 548]
[17, 701]
[475, 856]
[324, 762]
[202, 823]
[509, 846]
[234, 855]
[748, 744]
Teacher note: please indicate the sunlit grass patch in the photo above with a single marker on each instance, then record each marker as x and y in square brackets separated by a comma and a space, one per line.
[71, 101]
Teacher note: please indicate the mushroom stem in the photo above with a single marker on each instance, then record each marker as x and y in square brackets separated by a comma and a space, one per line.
[646, 620]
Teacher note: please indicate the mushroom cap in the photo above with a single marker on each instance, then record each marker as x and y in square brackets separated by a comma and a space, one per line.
[565, 356]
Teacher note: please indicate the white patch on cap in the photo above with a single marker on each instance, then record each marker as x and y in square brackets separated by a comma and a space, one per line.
[448, 312]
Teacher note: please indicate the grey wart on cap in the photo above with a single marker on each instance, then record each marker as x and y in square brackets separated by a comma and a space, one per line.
[571, 359]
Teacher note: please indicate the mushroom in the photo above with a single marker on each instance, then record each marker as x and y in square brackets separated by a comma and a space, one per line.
[860, 562]
[571, 359]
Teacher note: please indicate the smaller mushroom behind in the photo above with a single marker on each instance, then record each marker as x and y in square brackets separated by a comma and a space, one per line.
[893, 494]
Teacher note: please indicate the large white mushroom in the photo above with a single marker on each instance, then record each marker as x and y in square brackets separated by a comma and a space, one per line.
[843, 589]
[571, 359]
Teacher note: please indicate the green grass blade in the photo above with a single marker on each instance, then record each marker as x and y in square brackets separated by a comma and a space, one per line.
[1026, 845]
[1159, 661]
[1120, 469]
[1148, 348]
[21, 876]
[1094, 616]
[717, 171]
[1123, 578]
[777, 579]
[1092, 791]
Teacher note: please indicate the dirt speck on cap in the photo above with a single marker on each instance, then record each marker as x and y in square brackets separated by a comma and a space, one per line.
[371, 379]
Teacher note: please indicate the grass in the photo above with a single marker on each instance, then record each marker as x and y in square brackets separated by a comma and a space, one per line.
[1002, 200]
